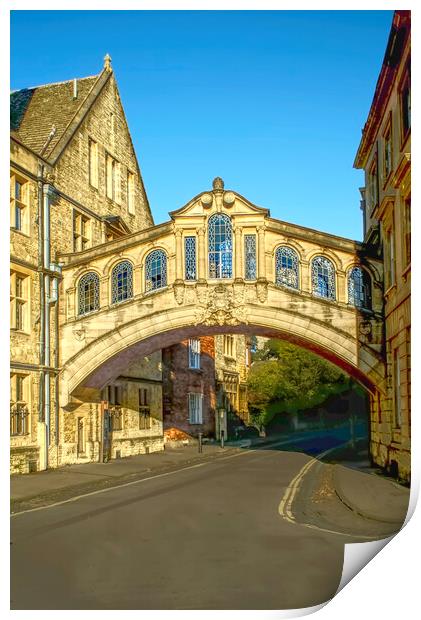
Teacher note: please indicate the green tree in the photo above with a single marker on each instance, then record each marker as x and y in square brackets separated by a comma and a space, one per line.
[291, 378]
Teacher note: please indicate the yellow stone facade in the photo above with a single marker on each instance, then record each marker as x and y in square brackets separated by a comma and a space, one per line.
[385, 156]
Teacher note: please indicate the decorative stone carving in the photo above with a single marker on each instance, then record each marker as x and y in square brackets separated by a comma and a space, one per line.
[218, 183]
[207, 200]
[229, 199]
[179, 288]
[262, 290]
[365, 330]
[221, 307]
[79, 334]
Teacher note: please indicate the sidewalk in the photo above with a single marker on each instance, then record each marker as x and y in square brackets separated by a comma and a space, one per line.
[370, 496]
[47, 487]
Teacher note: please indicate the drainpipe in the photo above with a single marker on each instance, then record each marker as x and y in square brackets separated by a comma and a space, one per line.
[47, 192]
[41, 293]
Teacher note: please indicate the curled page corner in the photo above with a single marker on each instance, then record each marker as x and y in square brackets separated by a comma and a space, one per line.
[357, 556]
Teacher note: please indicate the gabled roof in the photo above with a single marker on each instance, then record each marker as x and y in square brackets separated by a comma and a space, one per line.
[40, 115]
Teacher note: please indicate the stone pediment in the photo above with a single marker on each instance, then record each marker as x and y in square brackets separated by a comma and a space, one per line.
[218, 200]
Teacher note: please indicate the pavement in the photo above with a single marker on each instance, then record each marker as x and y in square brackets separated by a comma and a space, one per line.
[357, 485]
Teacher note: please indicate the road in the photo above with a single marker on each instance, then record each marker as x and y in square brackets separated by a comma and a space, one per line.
[208, 536]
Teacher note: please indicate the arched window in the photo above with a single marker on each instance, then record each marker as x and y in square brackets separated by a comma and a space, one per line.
[323, 277]
[88, 290]
[286, 267]
[220, 246]
[359, 288]
[156, 270]
[122, 282]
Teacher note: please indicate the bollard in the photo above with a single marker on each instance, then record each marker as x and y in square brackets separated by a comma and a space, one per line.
[200, 442]
[222, 438]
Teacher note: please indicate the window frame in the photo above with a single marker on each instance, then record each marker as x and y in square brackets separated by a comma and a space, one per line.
[82, 231]
[96, 293]
[144, 408]
[195, 413]
[194, 353]
[333, 295]
[250, 256]
[295, 257]
[93, 171]
[150, 286]
[131, 206]
[115, 283]
[405, 86]
[387, 139]
[20, 204]
[20, 301]
[366, 285]
[220, 256]
[20, 409]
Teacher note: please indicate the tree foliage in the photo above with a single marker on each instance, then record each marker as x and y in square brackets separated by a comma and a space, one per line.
[290, 376]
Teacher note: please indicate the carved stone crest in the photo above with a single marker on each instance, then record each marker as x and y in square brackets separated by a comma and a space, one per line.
[221, 307]
[365, 329]
[179, 289]
[262, 290]
[79, 334]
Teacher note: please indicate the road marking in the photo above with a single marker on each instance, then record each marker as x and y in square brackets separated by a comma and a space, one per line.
[285, 506]
[117, 486]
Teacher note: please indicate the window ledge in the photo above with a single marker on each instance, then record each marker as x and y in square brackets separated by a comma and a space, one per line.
[20, 331]
[198, 370]
[20, 232]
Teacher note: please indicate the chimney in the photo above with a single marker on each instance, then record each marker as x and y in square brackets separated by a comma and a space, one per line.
[75, 88]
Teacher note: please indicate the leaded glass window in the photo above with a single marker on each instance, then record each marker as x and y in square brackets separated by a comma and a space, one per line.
[190, 257]
[359, 288]
[286, 267]
[88, 293]
[194, 353]
[323, 277]
[250, 257]
[122, 282]
[220, 246]
[156, 270]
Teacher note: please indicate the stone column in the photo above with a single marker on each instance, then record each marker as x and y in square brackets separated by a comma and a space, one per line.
[178, 254]
[261, 264]
[238, 254]
[201, 254]
[341, 284]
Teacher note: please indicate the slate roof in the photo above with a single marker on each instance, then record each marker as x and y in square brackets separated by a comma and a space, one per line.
[34, 111]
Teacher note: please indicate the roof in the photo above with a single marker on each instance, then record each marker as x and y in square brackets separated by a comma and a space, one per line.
[36, 111]
[399, 37]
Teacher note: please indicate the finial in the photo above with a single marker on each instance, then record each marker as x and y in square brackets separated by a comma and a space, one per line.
[218, 183]
[107, 62]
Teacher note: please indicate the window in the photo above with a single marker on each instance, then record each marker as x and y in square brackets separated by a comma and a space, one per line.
[19, 210]
[88, 293]
[112, 178]
[19, 410]
[190, 257]
[230, 392]
[406, 225]
[373, 185]
[220, 246]
[19, 301]
[194, 353]
[144, 409]
[81, 232]
[156, 270]
[323, 277]
[93, 163]
[389, 258]
[195, 408]
[286, 267]
[250, 257]
[359, 288]
[130, 193]
[405, 101]
[397, 389]
[122, 282]
[229, 346]
[387, 152]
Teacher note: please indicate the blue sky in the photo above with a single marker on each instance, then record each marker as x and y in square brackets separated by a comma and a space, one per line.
[272, 101]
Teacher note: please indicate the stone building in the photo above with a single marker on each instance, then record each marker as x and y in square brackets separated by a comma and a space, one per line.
[384, 154]
[204, 384]
[75, 183]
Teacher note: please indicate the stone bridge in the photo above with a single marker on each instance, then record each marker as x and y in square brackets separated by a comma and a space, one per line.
[221, 264]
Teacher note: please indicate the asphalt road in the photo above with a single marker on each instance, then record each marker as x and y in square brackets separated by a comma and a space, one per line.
[205, 537]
